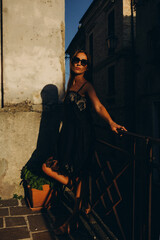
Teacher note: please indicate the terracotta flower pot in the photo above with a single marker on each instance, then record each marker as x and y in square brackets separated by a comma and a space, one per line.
[37, 199]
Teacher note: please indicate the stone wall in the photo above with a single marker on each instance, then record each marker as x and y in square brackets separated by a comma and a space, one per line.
[33, 57]
[19, 131]
[33, 33]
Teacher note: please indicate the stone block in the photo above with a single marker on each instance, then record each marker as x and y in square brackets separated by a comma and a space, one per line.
[15, 221]
[37, 223]
[4, 212]
[1, 222]
[9, 203]
[43, 235]
[20, 211]
[14, 233]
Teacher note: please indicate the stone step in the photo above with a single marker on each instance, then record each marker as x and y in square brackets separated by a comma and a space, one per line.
[94, 224]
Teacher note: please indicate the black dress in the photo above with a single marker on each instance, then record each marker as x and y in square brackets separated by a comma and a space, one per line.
[76, 140]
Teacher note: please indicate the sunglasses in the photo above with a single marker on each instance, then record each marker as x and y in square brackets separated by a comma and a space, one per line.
[77, 60]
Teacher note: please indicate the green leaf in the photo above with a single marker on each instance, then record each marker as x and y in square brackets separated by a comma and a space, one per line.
[15, 196]
[33, 180]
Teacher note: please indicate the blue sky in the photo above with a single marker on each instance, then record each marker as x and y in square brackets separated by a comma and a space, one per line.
[74, 10]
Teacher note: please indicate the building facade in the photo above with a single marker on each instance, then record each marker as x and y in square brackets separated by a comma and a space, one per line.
[32, 56]
[147, 72]
[107, 32]
[123, 40]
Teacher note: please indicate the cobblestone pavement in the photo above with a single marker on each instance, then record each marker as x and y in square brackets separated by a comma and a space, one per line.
[17, 222]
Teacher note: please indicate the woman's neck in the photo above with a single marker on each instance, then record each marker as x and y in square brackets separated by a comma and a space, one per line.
[78, 78]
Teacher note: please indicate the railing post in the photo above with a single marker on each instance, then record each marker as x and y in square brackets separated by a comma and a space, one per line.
[133, 197]
[150, 191]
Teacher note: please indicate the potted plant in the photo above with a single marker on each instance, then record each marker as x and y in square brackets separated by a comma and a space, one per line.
[38, 189]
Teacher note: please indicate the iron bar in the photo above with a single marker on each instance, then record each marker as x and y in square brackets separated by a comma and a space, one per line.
[133, 195]
[131, 134]
[150, 193]
[115, 147]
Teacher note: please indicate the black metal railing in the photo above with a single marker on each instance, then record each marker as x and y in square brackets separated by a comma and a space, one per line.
[131, 189]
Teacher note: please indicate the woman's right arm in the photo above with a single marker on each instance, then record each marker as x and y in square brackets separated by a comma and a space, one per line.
[101, 110]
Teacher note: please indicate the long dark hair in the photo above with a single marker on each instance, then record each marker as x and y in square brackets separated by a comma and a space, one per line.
[87, 73]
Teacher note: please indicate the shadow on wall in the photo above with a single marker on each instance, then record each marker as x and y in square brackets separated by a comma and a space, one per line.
[49, 129]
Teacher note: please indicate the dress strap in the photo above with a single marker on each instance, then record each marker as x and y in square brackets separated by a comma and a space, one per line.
[81, 87]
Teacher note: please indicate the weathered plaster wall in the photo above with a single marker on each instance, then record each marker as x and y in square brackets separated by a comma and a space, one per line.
[18, 138]
[0, 52]
[33, 57]
[33, 54]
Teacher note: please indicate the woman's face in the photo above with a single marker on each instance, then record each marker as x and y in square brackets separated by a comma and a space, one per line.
[79, 64]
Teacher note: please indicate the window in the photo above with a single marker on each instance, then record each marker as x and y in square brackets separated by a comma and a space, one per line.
[91, 53]
[111, 80]
[111, 40]
[91, 46]
[111, 24]
[153, 44]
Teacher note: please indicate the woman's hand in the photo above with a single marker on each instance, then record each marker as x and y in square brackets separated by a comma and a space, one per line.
[114, 127]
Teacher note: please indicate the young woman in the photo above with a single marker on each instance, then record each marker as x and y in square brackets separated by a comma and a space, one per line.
[76, 142]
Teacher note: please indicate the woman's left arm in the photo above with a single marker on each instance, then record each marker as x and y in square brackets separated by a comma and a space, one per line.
[101, 110]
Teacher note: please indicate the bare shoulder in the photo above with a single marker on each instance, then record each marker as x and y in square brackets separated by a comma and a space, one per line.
[88, 86]
[92, 94]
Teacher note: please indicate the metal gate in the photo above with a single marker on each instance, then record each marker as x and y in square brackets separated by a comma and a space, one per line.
[123, 191]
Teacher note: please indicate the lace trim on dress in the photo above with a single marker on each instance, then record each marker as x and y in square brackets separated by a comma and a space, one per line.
[78, 99]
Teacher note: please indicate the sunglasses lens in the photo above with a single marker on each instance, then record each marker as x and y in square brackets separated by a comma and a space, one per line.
[77, 60]
[84, 62]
